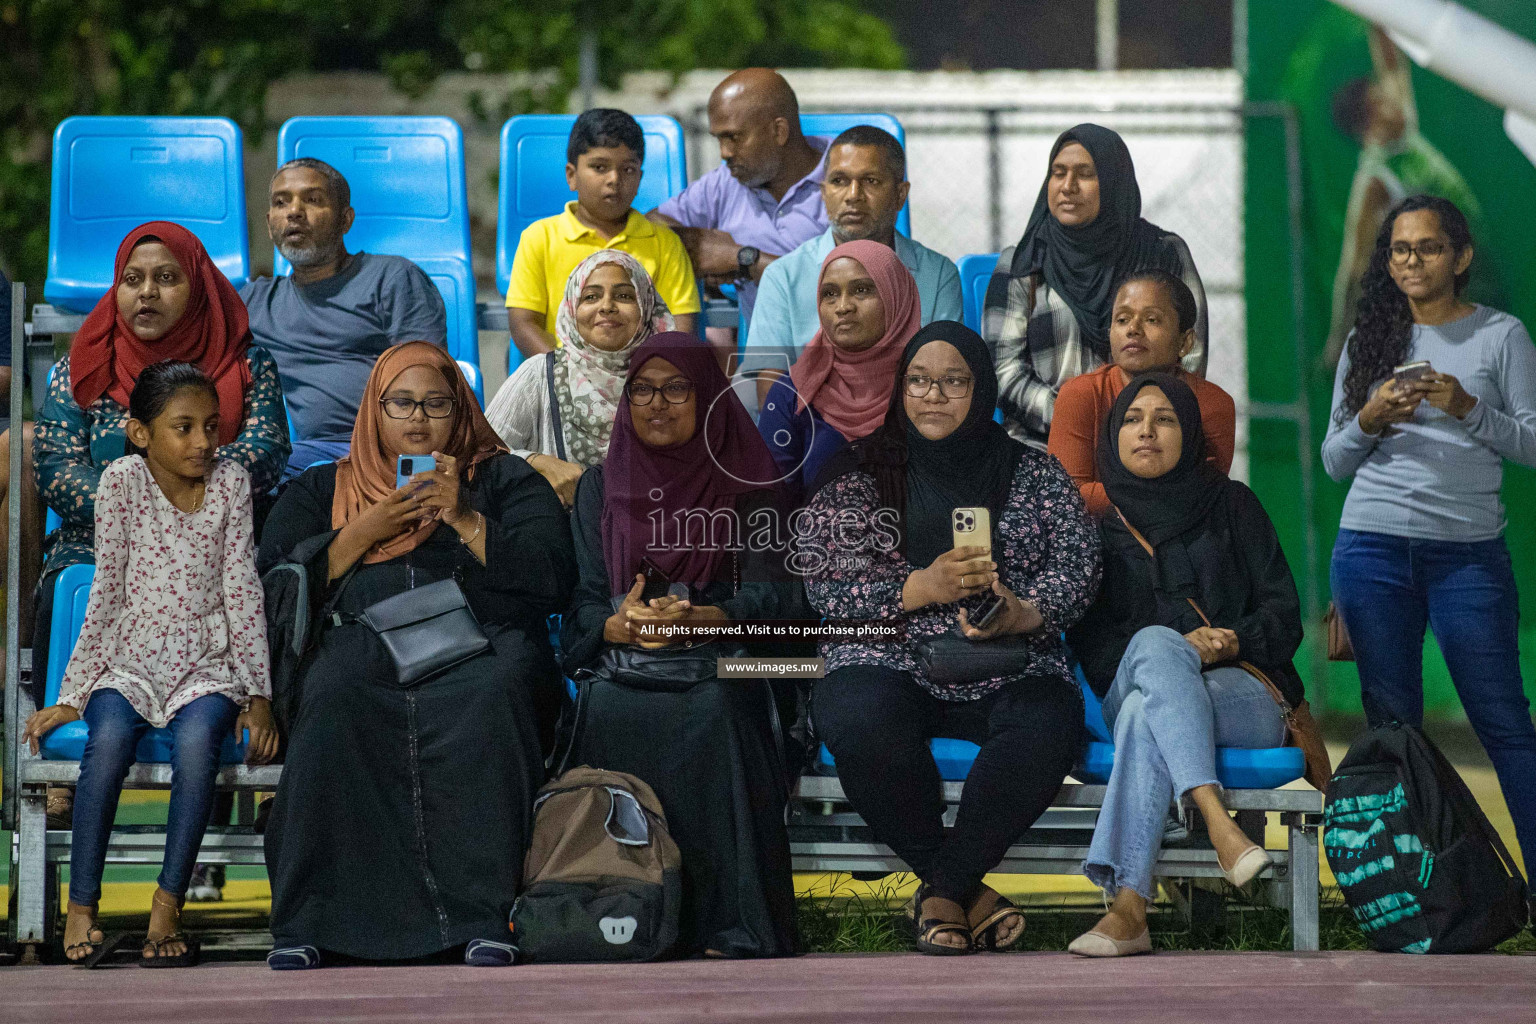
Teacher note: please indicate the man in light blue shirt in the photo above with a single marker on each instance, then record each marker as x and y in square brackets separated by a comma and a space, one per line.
[864, 189]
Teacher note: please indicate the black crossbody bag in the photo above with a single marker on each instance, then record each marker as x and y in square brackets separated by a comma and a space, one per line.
[425, 630]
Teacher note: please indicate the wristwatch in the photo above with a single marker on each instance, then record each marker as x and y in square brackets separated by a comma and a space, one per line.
[746, 258]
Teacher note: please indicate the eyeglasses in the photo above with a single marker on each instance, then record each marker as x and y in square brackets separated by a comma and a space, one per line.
[920, 386]
[675, 392]
[1427, 250]
[405, 408]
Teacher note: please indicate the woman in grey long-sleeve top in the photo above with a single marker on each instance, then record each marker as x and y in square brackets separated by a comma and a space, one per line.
[1422, 535]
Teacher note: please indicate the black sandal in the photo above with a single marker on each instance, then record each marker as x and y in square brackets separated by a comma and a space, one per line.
[984, 935]
[161, 959]
[94, 950]
[930, 927]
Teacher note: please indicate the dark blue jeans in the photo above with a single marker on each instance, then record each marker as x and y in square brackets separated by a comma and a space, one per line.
[197, 732]
[1388, 588]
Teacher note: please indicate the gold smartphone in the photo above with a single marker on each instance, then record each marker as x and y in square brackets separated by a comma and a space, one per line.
[973, 528]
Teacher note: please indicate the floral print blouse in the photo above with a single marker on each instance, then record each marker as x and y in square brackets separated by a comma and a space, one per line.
[1049, 556]
[72, 446]
[176, 608]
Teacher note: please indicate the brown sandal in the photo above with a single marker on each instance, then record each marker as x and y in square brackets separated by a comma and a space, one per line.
[984, 935]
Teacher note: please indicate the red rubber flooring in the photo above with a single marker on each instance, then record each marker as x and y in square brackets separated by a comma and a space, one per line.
[889, 989]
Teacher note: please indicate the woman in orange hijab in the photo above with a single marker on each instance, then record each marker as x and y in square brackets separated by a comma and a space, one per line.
[400, 825]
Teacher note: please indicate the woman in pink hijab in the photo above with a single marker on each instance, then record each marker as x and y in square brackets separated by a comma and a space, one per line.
[839, 388]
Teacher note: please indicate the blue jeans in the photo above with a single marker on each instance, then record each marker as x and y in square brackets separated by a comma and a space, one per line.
[1168, 714]
[1387, 589]
[197, 732]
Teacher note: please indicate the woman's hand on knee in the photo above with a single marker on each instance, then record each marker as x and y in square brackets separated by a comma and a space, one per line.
[41, 723]
[1214, 644]
[258, 719]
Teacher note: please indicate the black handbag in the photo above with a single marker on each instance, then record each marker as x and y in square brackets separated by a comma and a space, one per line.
[952, 659]
[426, 630]
[666, 670]
[673, 669]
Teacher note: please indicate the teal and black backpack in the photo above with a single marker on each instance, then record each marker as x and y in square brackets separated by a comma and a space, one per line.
[1421, 867]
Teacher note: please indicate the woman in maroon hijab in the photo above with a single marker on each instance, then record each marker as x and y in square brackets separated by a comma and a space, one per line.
[686, 481]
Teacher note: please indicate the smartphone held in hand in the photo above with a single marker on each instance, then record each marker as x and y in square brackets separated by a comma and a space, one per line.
[1409, 372]
[407, 466]
[973, 528]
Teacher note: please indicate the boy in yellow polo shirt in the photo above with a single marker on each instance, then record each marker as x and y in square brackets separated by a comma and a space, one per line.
[603, 161]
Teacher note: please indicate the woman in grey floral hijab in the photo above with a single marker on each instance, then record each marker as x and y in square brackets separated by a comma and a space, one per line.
[557, 409]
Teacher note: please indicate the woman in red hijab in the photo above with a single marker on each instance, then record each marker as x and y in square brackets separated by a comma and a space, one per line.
[838, 389]
[169, 302]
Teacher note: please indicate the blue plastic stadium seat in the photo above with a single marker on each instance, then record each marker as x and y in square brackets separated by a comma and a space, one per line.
[833, 125]
[533, 175]
[67, 742]
[954, 757]
[975, 272]
[111, 174]
[410, 197]
[472, 376]
[1236, 768]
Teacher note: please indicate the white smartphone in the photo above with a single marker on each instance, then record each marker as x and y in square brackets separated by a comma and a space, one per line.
[973, 528]
[407, 466]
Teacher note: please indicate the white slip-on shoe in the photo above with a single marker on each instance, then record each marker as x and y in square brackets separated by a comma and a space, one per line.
[1251, 863]
[1097, 944]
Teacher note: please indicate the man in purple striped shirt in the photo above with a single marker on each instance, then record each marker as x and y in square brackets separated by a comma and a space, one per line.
[764, 199]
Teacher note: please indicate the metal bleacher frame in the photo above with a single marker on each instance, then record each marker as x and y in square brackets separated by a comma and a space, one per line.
[826, 835]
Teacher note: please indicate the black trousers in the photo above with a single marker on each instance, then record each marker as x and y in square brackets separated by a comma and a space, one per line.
[877, 722]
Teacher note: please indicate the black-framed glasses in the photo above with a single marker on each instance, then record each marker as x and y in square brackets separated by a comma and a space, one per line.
[1427, 250]
[675, 392]
[436, 408]
[920, 386]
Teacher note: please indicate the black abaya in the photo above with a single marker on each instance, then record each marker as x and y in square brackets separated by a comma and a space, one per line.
[402, 818]
[710, 754]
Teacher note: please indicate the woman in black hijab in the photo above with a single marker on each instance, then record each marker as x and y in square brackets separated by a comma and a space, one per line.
[882, 549]
[1172, 687]
[1047, 308]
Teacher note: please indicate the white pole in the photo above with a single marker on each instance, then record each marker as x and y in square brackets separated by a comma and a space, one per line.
[1467, 48]
[1108, 35]
[586, 67]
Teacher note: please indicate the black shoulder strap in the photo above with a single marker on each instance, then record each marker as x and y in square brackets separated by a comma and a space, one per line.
[554, 406]
[1455, 788]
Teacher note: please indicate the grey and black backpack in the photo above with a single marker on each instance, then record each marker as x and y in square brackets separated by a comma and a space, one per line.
[602, 881]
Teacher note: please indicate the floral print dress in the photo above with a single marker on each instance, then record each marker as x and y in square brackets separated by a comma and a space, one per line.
[1049, 556]
[73, 446]
[176, 608]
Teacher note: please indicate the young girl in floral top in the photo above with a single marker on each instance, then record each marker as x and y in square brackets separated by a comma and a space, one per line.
[174, 637]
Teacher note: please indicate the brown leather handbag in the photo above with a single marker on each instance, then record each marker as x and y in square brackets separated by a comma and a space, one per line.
[1339, 646]
[1301, 729]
